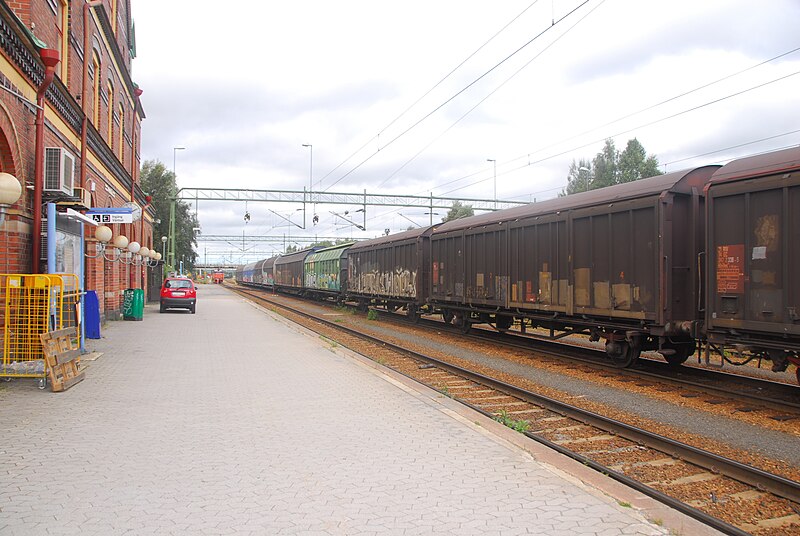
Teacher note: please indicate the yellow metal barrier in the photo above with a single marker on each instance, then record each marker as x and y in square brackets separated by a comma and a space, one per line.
[29, 306]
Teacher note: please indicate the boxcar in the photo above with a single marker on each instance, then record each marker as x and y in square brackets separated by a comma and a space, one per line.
[245, 274]
[267, 273]
[326, 272]
[754, 257]
[618, 263]
[288, 271]
[258, 275]
[391, 271]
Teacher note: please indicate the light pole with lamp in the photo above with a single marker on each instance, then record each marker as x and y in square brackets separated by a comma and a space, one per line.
[310, 177]
[494, 165]
[588, 176]
[310, 166]
[171, 255]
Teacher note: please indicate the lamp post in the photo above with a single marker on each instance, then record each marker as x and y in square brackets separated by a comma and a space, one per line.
[494, 165]
[163, 246]
[310, 166]
[588, 176]
[174, 153]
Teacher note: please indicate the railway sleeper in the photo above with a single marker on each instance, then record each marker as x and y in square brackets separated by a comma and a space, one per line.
[582, 440]
[703, 476]
[660, 462]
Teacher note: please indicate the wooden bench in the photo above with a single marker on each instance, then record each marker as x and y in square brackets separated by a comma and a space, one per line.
[62, 358]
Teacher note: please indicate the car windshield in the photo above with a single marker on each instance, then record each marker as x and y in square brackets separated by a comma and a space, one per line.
[178, 283]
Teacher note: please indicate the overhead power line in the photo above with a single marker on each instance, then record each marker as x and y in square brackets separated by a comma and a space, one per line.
[462, 90]
[428, 92]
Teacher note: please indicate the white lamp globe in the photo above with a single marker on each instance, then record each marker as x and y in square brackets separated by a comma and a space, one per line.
[121, 241]
[10, 189]
[144, 251]
[134, 247]
[103, 234]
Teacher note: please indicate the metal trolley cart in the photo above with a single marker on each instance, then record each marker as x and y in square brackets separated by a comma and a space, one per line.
[29, 306]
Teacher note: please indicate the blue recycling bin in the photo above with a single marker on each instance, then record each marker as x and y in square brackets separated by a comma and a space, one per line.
[91, 315]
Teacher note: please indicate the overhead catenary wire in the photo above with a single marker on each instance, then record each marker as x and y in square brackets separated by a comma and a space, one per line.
[459, 92]
[644, 125]
[429, 91]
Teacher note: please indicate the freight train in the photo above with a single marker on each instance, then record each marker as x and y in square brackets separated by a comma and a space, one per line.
[702, 258]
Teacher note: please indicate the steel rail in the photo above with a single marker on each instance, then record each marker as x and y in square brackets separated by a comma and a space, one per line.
[582, 354]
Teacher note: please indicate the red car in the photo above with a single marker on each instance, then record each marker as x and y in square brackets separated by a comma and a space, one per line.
[178, 293]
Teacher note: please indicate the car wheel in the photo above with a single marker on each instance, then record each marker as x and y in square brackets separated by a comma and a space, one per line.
[161, 308]
[192, 309]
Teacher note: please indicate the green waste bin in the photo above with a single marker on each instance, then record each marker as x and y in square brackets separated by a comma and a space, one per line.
[133, 304]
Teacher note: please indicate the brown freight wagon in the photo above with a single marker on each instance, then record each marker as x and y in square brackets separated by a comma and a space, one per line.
[754, 257]
[288, 271]
[619, 263]
[391, 271]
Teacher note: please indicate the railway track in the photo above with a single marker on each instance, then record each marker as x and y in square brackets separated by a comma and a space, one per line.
[751, 394]
[730, 496]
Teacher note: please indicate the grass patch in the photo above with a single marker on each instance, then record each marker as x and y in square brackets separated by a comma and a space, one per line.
[518, 425]
[446, 392]
[626, 505]
[332, 344]
[372, 314]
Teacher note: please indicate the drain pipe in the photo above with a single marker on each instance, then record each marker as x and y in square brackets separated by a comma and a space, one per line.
[50, 59]
[87, 47]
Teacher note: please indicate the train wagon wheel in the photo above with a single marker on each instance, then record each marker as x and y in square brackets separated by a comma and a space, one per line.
[622, 353]
[503, 323]
[447, 316]
[682, 353]
[461, 322]
[413, 314]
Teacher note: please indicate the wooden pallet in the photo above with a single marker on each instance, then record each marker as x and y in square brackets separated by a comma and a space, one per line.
[62, 356]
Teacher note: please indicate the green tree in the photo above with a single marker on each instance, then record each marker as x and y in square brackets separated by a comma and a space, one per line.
[605, 166]
[579, 178]
[634, 164]
[611, 167]
[458, 211]
[160, 184]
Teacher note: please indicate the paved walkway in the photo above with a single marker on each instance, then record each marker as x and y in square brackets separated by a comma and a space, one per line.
[230, 422]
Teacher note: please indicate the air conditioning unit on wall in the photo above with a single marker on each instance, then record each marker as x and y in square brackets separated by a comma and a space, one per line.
[59, 170]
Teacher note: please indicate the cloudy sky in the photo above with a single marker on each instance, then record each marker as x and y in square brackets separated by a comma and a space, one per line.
[414, 97]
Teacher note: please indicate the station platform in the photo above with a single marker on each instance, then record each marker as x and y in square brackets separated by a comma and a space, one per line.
[234, 421]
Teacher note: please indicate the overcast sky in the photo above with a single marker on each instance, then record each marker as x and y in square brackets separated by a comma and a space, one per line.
[533, 85]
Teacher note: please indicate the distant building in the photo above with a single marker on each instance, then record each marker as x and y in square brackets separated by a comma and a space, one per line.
[88, 133]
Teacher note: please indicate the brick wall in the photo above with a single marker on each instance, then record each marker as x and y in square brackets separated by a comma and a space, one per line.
[17, 139]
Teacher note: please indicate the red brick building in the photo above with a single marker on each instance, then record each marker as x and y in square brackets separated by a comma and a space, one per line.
[80, 148]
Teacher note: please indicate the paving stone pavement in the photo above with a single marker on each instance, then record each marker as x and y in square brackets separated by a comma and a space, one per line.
[230, 422]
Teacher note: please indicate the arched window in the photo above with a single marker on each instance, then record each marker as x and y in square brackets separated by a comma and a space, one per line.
[121, 133]
[62, 37]
[110, 95]
[96, 90]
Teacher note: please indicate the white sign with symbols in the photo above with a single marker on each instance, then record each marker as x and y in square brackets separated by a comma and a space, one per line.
[104, 219]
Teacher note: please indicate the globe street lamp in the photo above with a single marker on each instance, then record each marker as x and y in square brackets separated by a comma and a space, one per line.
[494, 165]
[10, 192]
